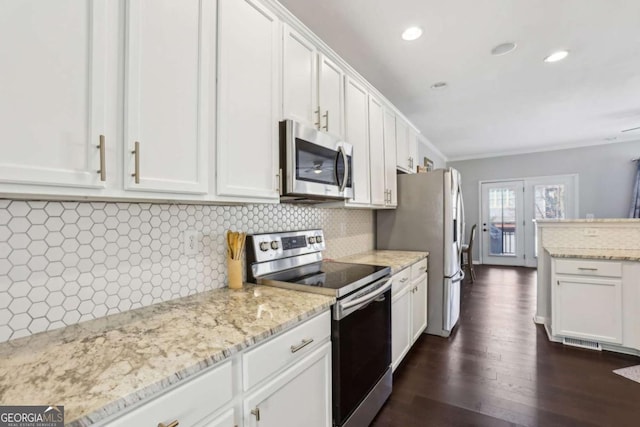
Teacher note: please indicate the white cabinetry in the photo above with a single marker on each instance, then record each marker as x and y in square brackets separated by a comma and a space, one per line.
[412, 141]
[331, 96]
[357, 134]
[408, 309]
[312, 91]
[263, 383]
[248, 98]
[379, 191]
[299, 396]
[300, 78]
[587, 300]
[188, 403]
[52, 95]
[168, 52]
[406, 149]
[390, 176]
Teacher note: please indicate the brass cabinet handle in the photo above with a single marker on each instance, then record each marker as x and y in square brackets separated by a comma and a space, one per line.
[171, 424]
[326, 123]
[404, 279]
[390, 196]
[136, 154]
[303, 344]
[256, 413]
[587, 268]
[103, 169]
[319, 121]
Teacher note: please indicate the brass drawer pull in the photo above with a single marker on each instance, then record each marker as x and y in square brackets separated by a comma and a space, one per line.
[303, 344]
[587, 268]
[171, 424]
[404, 279]
[256, 413]
[103, 168]
[136, 154]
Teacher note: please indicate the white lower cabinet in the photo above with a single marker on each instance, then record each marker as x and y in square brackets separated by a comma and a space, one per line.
[283, 382]
[587, 300]
[188, 404]
[299, 396]
[408, 309]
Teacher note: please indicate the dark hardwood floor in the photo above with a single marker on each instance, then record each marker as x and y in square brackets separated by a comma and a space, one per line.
[499, 369]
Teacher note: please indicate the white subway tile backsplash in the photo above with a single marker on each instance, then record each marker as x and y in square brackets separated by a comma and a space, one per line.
[65, 262]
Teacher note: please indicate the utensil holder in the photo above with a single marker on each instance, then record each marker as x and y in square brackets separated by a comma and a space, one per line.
[234, 267]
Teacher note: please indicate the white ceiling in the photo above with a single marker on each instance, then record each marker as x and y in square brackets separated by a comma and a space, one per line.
[495, 104]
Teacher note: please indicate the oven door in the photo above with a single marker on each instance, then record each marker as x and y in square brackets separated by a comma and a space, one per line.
[316, 164]
[361, 340]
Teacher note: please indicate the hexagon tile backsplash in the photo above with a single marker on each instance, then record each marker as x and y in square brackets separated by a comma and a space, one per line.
[66, 262]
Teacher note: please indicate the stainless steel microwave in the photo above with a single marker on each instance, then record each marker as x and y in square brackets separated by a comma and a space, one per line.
[315, 165]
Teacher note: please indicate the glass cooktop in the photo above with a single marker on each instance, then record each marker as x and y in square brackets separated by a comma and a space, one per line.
[328, 277]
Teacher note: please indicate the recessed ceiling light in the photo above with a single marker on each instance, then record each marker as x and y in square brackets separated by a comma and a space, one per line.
[557, 56]
[412, 33]
[439, 85]
[503, 49]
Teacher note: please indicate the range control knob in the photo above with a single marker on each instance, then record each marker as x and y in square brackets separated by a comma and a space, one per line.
[274, 245]
[264, 246]
[312, 240]
[318, 239]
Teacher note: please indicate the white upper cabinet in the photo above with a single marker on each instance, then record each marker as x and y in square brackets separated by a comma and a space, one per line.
[379, 192]
[390, 176]
[357, 134]
[300, 78]
[248, 98]
[402, 145]
[330, 96]
[52, 95]
[168, 51]
[412, 142]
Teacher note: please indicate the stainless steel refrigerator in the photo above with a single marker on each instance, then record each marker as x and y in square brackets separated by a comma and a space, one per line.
[430, 217]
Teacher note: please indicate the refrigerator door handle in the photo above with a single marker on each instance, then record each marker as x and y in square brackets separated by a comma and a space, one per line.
[459, 279]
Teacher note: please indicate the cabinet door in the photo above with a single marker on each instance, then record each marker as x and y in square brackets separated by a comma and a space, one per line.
[248, 97]
[168, 49]
[390, 177]
[412, 147]
[52, 95]
[402, 145]
[299, 396]
[419, 307]
[330, 96]
[300, 79]
[588, 308]
[400, 326]
[357, 134]
[376, 157]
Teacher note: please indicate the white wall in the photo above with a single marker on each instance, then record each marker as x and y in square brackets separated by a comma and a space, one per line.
[427, 149]
[605, 172]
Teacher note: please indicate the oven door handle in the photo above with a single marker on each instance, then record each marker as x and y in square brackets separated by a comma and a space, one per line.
[369, 297]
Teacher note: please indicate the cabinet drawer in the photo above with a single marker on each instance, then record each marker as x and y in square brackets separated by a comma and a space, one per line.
[400, 280]
[188, 403]
[588, 267]
[418, 269]
[278, 352]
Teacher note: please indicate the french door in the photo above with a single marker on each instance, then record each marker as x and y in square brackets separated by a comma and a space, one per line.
[509, 210]
[502, 231]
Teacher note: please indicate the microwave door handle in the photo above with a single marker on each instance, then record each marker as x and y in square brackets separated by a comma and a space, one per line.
[335, 169]
[346, 168]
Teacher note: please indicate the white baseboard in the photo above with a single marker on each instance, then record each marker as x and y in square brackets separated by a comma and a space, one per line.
[476, 262]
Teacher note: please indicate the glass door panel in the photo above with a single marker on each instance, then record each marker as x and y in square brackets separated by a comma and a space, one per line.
[502, 223]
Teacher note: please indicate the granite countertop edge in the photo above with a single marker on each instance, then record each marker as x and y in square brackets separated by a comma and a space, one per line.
[601, 254]
[396, 259]
[127, 402]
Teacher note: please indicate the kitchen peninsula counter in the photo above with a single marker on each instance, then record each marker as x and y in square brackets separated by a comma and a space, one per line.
[100, 367]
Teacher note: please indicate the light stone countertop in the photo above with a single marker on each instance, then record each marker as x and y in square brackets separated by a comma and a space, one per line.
[587, 221]
[397, 260]
[102, 366]
[609, 254]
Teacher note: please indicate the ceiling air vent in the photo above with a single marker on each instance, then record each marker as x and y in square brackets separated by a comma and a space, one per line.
[575, 342]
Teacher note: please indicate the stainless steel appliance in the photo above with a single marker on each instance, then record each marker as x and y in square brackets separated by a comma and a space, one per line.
[430, 217]
[315, 166]
[361, 317]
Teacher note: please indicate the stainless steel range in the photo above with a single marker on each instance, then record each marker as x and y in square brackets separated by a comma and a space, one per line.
[361, 317]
